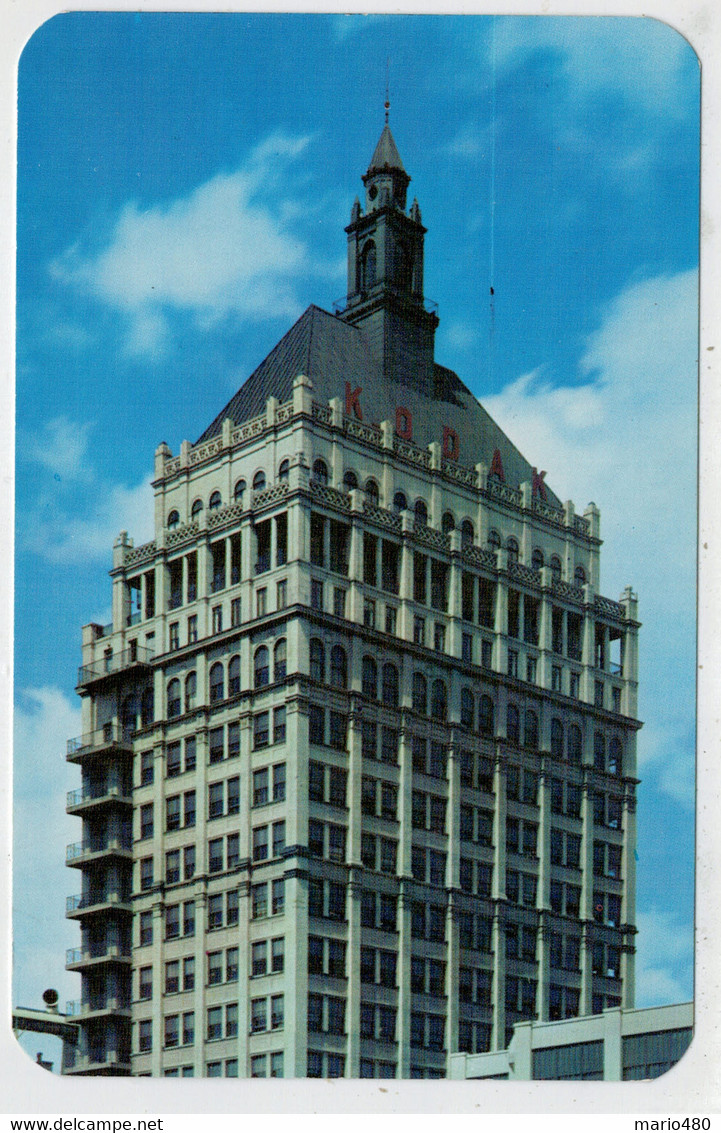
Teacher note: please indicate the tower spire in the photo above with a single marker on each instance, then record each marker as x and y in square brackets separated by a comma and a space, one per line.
[388, 100]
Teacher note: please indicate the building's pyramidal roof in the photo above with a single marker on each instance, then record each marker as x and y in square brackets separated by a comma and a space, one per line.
[334, 354]
[385, 155]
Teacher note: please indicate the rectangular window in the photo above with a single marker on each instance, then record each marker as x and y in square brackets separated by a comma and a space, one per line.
[172, 977]
[217, 619]
[339, 601]
[369, 613]
[235, 614]
[391, 619]
[147, 768]
[189, 808]
[146, 821]
[278, 839]
[146, 873]
[190, 749]
[260, 730]
[173, 644]
[261, 602]
[467, 648]
[439, 637]
[215, 745]
[316, 724]
[215, 855]
[419, 631]
[260, 843]
[316, 594]
[278, 896]
[172, 811]
[279, 724]
[281, 595]
[172, 867]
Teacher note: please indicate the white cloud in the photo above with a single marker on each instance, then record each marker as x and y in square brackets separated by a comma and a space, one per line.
[66, 538]
[664, 960]
[226, 248]
[640, 58]
[44, 721]
[626, 437]
[60, 446]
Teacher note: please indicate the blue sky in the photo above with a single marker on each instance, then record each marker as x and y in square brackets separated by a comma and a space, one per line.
[183, 184]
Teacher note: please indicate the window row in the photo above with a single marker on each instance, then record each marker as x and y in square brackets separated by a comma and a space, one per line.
[326, 899]
[262, 728]
[180, 865]
[326, 957]
[327, 840]
[222, 966]
[378, 966]
[474, 986]
[326, 1014]
[379, 798]
[428, 977]
[378, 910]
[475, 877]
[389, 740]
[224, 853]
[267, 898]
[327, 784]
[520, 942]
[377, 1022]
[267, 1013]
[182, 915]
[428, 866]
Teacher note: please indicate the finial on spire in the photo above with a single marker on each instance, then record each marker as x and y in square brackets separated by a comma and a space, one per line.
[388, 101]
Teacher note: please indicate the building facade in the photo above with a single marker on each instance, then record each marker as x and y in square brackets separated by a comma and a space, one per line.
[358, 763]
[616, 1046]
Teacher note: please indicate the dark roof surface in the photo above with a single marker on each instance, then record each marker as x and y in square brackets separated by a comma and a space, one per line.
[331, 352]
[386, 155]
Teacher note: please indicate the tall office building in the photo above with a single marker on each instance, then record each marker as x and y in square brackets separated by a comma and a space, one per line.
[358, 771]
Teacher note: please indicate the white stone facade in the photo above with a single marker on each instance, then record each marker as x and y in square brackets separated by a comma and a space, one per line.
[474, 869]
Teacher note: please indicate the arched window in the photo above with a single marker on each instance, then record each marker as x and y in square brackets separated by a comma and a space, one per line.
[400, 503]
[147, 708]
[439, 700]
[234, 675]
[279, 660]
[191, 688]
[367, 267]
[214, 502]
[467, 708]
[389, 685]
[599, 751]
[284, 471]
[369, 678]
[372, 492]
[448, 523]
[555, 565]
[486, 720]
[537, 559]
[575, 744]
[259, 481]
[513, 724]
[350, 480]
[217, 683]
[557, 738]
[530, 729]
[173, 698]
[173, 520]
[238, 491]
[196, 509]
[261, 671]
[421, 513]
[320, 472]
[467, 533]
[512, 548]
[338, 667]
[317, 660]
[420, 694]
[129, 714]
[579, 576]
[494, 540]
[615, 756]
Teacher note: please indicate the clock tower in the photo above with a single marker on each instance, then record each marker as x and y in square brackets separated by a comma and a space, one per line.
[385, 272]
